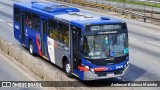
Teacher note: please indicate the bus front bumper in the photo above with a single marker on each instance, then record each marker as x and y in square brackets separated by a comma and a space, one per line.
[104, 75]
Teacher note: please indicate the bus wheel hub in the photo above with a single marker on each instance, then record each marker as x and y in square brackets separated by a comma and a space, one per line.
[31, 48]
[68, 68]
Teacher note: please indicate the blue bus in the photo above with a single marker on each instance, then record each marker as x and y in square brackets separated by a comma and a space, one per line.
[85, 45]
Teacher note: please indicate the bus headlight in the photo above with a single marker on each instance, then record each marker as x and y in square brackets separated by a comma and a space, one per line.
[125, 66]
[92, 70]
[87, 67]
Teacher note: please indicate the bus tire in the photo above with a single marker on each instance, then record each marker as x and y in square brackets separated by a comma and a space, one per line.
[67, 68]
[31, 48]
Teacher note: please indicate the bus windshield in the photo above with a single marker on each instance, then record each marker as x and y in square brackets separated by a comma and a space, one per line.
[105, 46]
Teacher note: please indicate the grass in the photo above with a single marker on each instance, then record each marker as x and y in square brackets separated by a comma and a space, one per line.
[137, 3]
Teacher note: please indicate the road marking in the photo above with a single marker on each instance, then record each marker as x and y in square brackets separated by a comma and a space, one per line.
[154, 33]
[10, 24]
[1, 20]
[1, 7]
[132, 38]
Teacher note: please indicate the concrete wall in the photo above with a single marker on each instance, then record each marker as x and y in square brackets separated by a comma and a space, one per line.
[40, 67]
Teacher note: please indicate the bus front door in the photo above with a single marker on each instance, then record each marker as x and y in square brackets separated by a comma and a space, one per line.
[44, 37]
[22, 28]
[75, 48]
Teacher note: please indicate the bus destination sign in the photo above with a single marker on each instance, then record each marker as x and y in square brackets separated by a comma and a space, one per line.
[105, 27]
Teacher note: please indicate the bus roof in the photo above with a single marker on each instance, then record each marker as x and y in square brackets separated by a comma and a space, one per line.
[65, 13]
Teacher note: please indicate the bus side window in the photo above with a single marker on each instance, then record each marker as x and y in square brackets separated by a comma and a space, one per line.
[52, 27]
[54, 34]
[64, 33]
[16, 15]
[66, 38]
[28, 19]
[35, 22]
[60, 35]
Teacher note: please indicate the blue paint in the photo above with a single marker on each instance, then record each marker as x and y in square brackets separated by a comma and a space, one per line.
[81, 74]
[112, 53]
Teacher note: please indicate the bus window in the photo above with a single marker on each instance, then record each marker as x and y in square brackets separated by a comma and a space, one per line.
[16, 15]
[64, 33]
[52, 27]
[60, 37]
[52, 24]
[54, 34]
[35, 22]
[28, 18]
[66, 38]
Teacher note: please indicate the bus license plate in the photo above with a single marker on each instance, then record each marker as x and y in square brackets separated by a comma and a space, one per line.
[110, 74]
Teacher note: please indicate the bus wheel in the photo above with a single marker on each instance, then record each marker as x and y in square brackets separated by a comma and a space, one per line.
[31, 48]
[68, 69]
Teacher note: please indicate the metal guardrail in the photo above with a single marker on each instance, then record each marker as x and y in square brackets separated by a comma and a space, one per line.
[86, 3]
[133, 15]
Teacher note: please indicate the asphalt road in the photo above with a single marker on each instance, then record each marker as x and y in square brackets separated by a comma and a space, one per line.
[144, 43]
[11, 72]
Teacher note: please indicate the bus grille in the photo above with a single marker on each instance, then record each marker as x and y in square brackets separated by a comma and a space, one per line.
[103, 62]
[104, 73]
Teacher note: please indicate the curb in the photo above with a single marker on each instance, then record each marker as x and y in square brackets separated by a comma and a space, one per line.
[40, 67]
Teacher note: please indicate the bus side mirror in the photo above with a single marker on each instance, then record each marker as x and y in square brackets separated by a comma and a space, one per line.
[81, 45]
